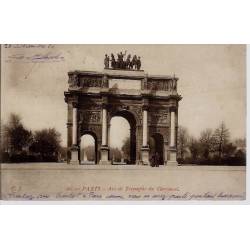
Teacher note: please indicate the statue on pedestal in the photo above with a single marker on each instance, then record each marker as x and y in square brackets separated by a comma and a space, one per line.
[113, 62]
[138, 63]
[106, 61]
[128, 62]
[120, 63]
[134, 61]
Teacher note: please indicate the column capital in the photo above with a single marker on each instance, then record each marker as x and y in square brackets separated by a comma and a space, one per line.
[172, 109]
[69, 124]
[74, 147]
[75, 104]
[145, 107]
[104, 105]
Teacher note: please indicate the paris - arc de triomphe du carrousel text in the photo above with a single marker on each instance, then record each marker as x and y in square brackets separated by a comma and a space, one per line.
[93, 98]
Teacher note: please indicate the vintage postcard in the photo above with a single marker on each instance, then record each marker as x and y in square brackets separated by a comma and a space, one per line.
[123, 122]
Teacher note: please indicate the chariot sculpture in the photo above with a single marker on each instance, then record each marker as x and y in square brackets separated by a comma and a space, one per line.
[131, 63]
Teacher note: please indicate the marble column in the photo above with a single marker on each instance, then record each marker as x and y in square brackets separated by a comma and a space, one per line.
[172, 149]
[75, 147]
[104, 148]
[145, 129]
[145, 147]
[166, 149]
[104, 126]
[172, 131]
[74, 131]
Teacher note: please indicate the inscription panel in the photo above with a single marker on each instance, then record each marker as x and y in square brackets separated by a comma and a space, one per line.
[124, 84]
[163, 85]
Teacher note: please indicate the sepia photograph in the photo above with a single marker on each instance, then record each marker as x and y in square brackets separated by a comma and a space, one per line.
[123, 122]
[124, 125]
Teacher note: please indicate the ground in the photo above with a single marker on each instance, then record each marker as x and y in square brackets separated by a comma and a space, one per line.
[59, 181]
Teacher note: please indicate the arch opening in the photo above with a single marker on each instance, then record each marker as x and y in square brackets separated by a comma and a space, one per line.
[156, 145]
[88, 149]
[122, 138]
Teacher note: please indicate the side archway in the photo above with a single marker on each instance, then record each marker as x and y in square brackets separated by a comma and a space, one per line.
[88, 148]
[156, 145]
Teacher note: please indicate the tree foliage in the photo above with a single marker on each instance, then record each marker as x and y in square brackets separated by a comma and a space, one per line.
[126, 148]
[207, 142]
[46, 143]
[115, 154]
[89, 151]
[221, 137]
[212, 147]
[182, 142]
[16, 135]
[194, 148]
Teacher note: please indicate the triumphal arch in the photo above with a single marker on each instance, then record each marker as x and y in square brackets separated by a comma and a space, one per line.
[148, 102]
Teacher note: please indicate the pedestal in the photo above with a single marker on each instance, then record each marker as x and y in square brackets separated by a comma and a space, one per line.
[172, 158]
[145, 155]
[104, 156]
[74, 155]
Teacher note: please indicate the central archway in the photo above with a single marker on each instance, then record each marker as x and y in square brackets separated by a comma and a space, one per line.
[127, 145]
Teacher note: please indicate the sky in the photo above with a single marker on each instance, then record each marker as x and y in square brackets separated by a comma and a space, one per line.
[212, 82]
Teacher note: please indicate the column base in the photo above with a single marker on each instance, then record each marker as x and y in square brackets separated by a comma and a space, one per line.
[172, 158]
[145, 155]
[104, 156]
[139, 162]
[74, 155]
[172, 164]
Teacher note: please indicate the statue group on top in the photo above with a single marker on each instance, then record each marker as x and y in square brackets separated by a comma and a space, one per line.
[133, 63]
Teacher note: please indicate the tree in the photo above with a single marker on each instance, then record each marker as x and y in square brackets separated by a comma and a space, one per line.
[17, 135]
[229, 150]
[46, 143]
[126, 148]
[90, 152]
[63, 153]
[221, 137]
[207, 142]
[115, 154]
[240, 144]
[5, 144]
[194, 148]
[182, 142]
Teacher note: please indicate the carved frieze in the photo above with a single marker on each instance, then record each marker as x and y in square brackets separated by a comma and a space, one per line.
[73, 81]
[91, 106]
[158, 108]
[159, 117]
[86, 82]
[138, 111]
[90, 116]
[105, 81]
[161, 84]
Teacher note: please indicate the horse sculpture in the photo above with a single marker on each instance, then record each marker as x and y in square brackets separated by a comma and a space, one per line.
[135, 63]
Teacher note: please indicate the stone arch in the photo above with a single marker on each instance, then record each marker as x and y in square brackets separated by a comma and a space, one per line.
[156, 144]
[132, 120]
[134, 113]
[88, 132]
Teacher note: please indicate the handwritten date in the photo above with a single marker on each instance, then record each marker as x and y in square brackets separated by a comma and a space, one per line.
[36, 58]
